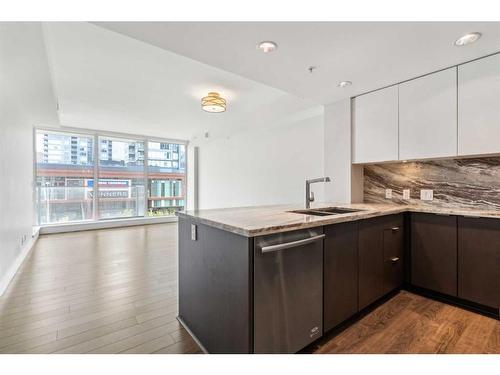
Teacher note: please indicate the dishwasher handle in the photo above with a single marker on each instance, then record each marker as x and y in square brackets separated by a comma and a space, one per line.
[289, 245]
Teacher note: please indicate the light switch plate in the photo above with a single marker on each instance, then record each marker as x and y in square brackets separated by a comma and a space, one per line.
[388, 193]
[194, 232]
[426, 195]
[406, 194]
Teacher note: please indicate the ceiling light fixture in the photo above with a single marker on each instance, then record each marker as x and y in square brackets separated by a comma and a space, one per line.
[344, 84]
[467, 39]
[213, 103]
[267, 46]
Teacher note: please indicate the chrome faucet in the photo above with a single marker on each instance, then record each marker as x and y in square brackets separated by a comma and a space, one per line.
[309, 193]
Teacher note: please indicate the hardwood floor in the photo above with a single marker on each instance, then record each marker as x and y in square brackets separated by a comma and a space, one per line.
[409, 323]
[115, 291]
[103, 291]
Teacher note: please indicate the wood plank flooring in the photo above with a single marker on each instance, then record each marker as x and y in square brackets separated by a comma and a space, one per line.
[115, 291]
[410, 323]
[103, 291]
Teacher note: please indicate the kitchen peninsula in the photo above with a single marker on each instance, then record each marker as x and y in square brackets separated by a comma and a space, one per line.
[268, 280]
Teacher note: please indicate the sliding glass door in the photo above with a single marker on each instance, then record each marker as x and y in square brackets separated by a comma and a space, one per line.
[135, 176]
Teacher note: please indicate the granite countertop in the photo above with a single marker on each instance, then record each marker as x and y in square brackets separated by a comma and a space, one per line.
[260, 220]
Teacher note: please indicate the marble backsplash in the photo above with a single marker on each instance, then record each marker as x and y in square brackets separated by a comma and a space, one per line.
[468, 183]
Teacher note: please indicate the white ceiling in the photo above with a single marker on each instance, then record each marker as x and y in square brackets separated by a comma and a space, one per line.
[105, 80]
[370, 54]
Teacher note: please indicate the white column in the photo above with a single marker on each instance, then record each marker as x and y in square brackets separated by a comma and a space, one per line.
[347, 180]
[192, 177]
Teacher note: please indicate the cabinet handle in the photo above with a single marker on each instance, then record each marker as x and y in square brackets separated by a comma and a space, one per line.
[394, 260]
[395, 229]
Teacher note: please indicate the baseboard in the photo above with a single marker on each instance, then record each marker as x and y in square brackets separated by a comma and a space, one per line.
[11, 272]
[104, 224]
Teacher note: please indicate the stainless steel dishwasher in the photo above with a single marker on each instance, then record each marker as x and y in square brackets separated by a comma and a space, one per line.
[288, 290]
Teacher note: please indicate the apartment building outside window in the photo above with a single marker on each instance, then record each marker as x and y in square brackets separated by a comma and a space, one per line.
[166, 186]
[121, 178]
[135, 176]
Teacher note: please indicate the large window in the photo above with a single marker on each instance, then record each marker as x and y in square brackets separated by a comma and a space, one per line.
[166, 177]
[64, 174]
[121, 178]
[136, 176]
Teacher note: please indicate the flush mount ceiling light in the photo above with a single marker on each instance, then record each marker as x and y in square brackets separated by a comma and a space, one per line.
[467, 39]
[267, 46]
[344, 83]
[213, 103]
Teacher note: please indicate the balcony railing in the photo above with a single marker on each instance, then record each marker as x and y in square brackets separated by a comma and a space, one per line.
[63, 204]
[73, 204]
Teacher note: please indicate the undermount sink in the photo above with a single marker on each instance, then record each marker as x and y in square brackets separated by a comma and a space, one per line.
[326, 211]
[312, 212]
[337, 210]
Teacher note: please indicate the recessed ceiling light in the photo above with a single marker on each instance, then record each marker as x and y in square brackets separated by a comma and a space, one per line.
[213, 103]
[344, 83]
[267, 46]
[467, 39]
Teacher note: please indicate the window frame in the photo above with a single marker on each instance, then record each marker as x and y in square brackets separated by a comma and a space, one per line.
[96, 154]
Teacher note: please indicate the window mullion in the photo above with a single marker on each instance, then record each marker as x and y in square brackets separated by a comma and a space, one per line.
[96, 177]
[146, 177]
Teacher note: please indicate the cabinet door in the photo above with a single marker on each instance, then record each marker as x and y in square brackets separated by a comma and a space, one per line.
[428, 116]
[434, 252]
[370, 261]
[479, 260]
[393, 256]
[479, 106]
[215, 287]
[375, 126]
[340, 273]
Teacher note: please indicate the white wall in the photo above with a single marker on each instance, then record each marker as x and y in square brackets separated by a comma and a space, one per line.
[346, 186]
[262, 167]
[26, 99]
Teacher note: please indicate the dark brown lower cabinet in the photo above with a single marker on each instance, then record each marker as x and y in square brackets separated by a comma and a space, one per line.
[434, 252]
[380, 257]
[479, 260]
[340, 273]
[393, 257]
[371, 254]
[215, 287]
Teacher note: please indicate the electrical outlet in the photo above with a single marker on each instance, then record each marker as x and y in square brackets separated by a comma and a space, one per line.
[388, 193]
[194, 232]
[426, 194]
[406, 194]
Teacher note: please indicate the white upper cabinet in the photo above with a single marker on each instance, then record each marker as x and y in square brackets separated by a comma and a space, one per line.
[375, 126]
[479, 107]
[428, 116]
